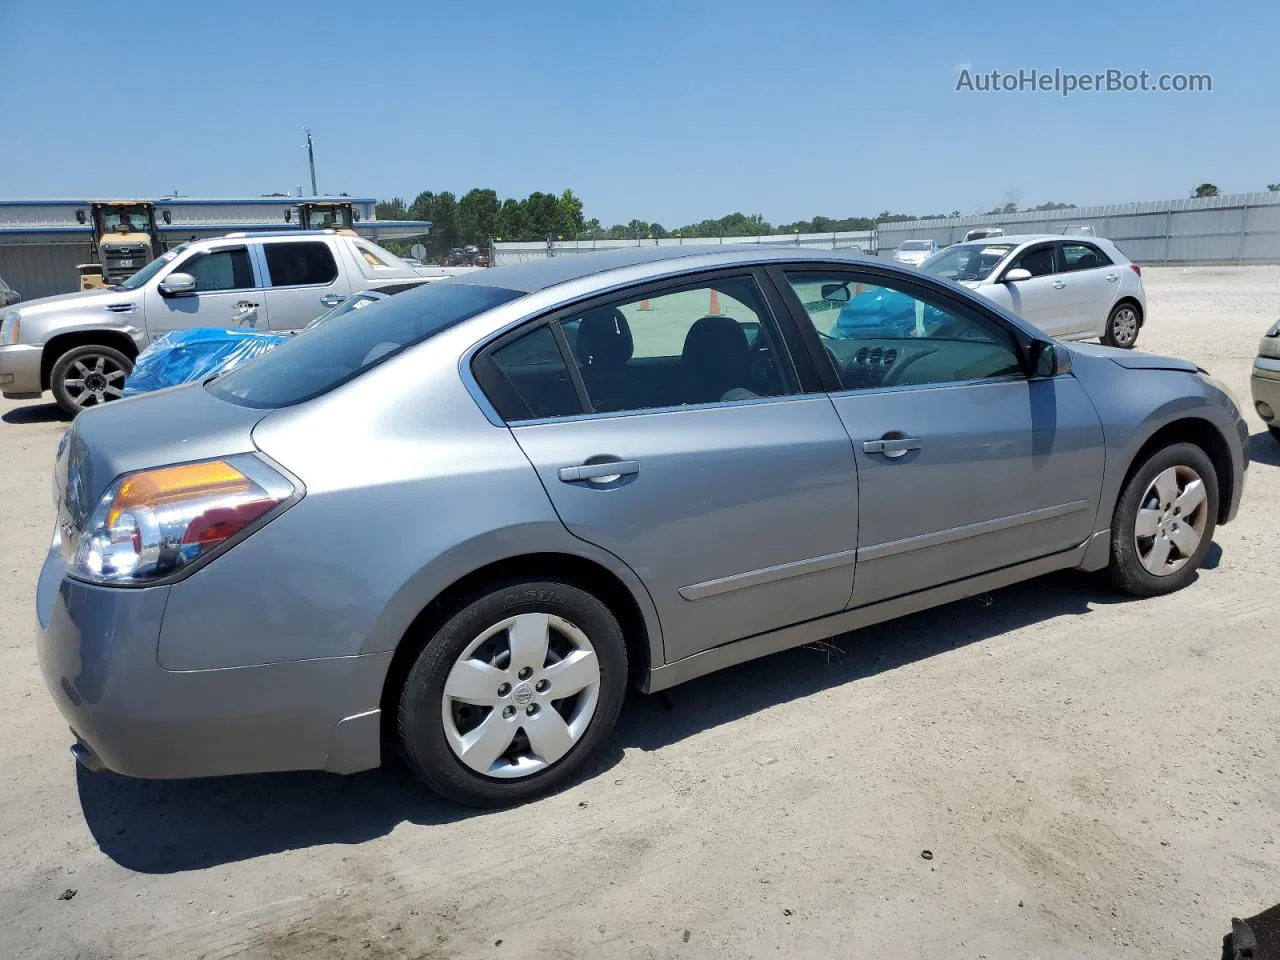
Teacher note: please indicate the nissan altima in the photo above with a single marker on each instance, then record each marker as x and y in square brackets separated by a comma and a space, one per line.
[460, 522]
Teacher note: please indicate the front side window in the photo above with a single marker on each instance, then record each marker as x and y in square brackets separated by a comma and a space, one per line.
[968, 261]
[220, 270]
[1083, 256]
[886, 335]
[352, 344]
[1038, 261]
[300, 264]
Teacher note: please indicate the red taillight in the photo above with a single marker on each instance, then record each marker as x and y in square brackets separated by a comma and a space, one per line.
[1136, 269]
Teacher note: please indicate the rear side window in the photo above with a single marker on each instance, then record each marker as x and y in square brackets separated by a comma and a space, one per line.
[347, 346]
[535, 379]
[300, 264]
[1083, 256]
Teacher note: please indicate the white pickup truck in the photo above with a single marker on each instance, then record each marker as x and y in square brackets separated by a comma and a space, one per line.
[82, 345]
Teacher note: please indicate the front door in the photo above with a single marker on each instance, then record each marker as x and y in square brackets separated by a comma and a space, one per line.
[700, 463]
[303, 281]
[965, 464]
[1042, 300]
[226, 295]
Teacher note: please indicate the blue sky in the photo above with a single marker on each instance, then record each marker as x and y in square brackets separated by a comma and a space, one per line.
[664, 111]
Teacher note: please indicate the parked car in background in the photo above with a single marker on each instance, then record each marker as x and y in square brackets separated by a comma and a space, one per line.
[1078, 230]
[8, 295]
[82, 345]
[1265, 382]
[184, 356]
[915, 252]
[982, 233]
[1072, 289]
[462, 520]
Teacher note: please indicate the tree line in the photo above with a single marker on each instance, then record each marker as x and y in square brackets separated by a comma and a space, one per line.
[480, 218]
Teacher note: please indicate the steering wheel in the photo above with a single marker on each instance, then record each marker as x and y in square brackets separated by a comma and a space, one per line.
[762, 370]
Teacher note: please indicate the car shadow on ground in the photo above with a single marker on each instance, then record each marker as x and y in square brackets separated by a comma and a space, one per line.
[1264, 448]
[35, 413]
[157, 826]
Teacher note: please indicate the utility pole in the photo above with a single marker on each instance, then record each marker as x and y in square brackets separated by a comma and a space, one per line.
[311, 158]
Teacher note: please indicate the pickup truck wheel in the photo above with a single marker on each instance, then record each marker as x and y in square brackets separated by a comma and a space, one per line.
[89, 376]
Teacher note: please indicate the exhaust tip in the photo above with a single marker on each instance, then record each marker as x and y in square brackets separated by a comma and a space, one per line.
[86, 757]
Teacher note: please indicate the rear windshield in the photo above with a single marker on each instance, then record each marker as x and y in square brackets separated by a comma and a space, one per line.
[346, 346]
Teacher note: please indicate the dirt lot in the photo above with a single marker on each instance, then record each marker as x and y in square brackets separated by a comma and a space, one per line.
[1093, 777]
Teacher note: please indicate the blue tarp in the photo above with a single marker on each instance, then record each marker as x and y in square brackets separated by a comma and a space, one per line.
[184, 356]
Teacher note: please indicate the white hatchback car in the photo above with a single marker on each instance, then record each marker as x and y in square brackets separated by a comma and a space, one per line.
[1072, 288]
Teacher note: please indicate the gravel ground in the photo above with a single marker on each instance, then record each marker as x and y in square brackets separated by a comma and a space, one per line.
[1092, 776]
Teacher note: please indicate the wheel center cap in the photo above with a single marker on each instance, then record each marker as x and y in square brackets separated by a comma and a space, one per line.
[523, 694]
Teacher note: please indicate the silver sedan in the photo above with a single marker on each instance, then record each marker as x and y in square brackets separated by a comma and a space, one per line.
[464, 519]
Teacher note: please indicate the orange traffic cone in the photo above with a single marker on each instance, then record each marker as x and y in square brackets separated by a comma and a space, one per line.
[714, 308]
[857, 289]
[644, 305]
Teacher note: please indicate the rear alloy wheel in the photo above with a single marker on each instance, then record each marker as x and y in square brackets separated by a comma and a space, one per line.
[1122, 327]
[1164, 522]
[513, 694]
[89, 376]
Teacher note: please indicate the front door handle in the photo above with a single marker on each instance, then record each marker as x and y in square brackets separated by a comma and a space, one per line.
[331, 300]
[609, 470]
[1059, 284]
[892, 448]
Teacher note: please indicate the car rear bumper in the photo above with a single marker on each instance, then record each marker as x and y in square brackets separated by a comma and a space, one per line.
[1265, 387]
[20, 371]
[97, 650]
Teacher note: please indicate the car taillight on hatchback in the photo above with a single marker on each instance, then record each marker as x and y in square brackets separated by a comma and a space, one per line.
[154, 524]
[1136, 269]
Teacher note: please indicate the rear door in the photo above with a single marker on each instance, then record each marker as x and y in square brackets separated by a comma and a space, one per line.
[964, 463]
[303, 281]
[228, 293]
[1094, 283]
[680, 438]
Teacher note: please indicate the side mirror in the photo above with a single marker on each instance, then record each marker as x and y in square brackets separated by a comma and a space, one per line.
[835, 292]
[178, 285]
[1016, 274]
[1050, 359]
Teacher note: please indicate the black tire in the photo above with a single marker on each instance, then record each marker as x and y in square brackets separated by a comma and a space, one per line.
[422, 739]
[1126, 571]
[1123, 325]
[1275, 433]
[95, 359]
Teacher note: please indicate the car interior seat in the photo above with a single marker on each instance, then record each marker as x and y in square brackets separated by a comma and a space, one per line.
[714, 361]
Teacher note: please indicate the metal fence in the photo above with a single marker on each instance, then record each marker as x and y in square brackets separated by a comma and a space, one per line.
[1240, 228]
[505, 253]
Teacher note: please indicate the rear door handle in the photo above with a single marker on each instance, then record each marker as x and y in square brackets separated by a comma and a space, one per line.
[1112, 277]
[331, 300]
[1059, 284]
[599, 471]
[892, 448]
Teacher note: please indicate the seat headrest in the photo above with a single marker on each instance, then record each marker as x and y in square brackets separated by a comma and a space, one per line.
[604, 339]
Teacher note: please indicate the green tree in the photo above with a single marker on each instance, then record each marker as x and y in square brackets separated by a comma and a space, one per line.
[1205, 190]
[1274, 187]
[542, 216]
[393, 209]
[511, 222]
[569, 222]
[478, 217]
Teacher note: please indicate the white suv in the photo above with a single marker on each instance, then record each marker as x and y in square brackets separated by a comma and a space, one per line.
[82, 345]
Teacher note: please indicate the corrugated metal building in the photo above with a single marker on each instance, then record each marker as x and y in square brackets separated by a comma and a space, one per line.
[42, 241]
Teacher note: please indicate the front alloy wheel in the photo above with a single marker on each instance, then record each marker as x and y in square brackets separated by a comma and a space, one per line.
[513, 693]
[1164, 521]
[89, 376]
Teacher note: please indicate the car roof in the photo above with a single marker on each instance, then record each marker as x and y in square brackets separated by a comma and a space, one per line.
[535, 275]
